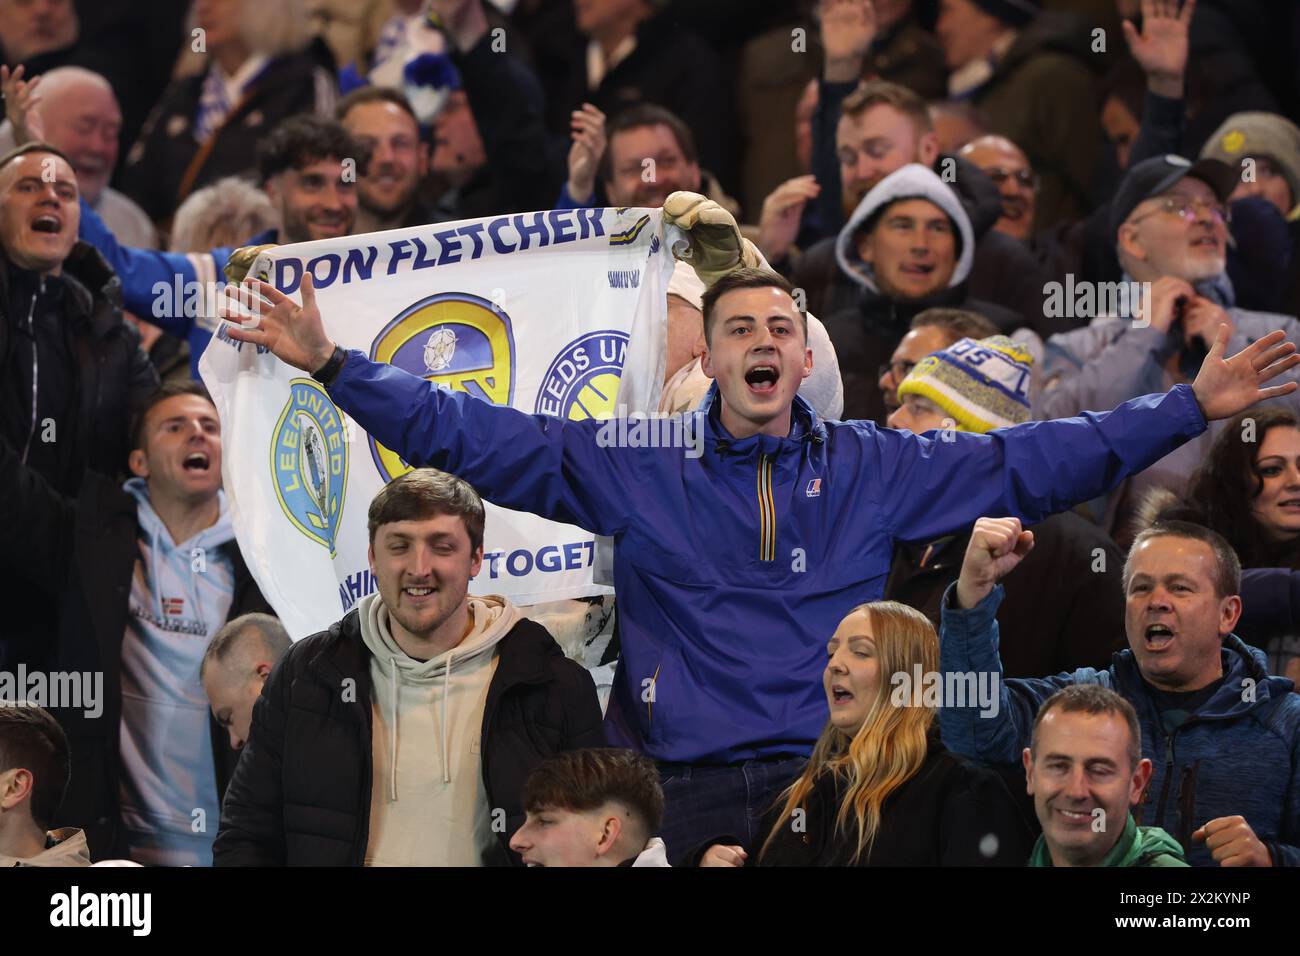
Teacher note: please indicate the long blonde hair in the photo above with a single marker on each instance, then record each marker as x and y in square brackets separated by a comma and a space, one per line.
[890, 746]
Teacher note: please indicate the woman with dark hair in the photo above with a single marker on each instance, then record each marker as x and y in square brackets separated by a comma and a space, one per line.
[1248, 490]
[879, 789]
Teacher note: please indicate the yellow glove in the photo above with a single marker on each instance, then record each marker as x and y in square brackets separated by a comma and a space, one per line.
[716, 245]
[241, 260]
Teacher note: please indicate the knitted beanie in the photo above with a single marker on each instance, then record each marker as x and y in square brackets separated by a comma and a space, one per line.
[981, 385]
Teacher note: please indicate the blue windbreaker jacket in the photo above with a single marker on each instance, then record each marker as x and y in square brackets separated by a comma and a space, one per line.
[1239, 755]
[733, 569]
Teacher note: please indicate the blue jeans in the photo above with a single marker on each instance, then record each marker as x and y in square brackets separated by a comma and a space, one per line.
[704, 803]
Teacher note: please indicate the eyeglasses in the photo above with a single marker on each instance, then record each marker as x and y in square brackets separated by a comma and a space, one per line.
[1189, 209]
[899, 370]
[1023, 177]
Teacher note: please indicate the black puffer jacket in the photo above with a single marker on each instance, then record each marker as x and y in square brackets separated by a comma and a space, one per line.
[105, 379]
[301, 792]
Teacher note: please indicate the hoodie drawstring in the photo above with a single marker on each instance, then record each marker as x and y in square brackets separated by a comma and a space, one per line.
[392, 745]
[443, 756]
[446, 692]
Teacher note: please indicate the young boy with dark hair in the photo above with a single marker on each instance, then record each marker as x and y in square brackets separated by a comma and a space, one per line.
[594, 807]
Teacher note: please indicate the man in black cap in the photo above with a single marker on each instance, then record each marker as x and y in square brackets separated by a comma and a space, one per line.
[1170, 223]
[1031, 76]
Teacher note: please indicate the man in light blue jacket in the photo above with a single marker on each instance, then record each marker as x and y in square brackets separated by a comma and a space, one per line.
[733, 568]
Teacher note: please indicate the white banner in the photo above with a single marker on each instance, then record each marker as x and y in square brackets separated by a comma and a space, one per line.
[561, 313]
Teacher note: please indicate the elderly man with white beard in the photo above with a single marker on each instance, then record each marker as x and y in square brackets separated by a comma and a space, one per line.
[1170, 222]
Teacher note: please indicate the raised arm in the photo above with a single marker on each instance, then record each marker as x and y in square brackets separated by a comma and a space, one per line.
[968, 644]
[156, 286]
[931, 486]
[552, 467]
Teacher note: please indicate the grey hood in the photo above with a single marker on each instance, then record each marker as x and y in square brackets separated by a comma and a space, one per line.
[912, 181]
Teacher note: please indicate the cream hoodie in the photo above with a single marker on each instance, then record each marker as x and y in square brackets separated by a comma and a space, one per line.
[67, 847]
[428, 806]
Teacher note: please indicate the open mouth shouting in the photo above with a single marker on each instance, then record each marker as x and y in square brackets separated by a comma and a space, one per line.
[47, 223]
[761, 379]
[198, 461]
[1158, 638]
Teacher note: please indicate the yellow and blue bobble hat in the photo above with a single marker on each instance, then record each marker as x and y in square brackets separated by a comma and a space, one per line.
[981, 385]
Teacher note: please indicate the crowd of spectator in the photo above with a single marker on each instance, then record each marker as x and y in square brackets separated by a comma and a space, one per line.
[1004, 350]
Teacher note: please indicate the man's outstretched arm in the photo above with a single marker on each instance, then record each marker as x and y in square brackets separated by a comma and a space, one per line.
[549, 466]
[932, 486]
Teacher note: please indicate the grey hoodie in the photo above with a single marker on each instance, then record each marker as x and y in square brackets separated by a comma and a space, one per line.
[912, 181]
[428, 804]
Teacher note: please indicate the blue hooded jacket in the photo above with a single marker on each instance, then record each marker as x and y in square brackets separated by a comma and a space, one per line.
[733, 569]
[1238, 755]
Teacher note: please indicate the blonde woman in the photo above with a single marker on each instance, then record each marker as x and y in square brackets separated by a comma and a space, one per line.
[879, 789]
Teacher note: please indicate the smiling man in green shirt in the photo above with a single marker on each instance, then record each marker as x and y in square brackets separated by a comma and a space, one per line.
[1085, 769]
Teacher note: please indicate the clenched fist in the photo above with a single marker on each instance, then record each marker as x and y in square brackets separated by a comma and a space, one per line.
[996, 546]
[1232, 842]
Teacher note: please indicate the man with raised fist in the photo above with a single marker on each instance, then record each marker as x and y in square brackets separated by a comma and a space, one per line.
[1222, 734]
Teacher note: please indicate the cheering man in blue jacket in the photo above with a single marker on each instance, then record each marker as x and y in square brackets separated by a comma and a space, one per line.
[733, 568]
